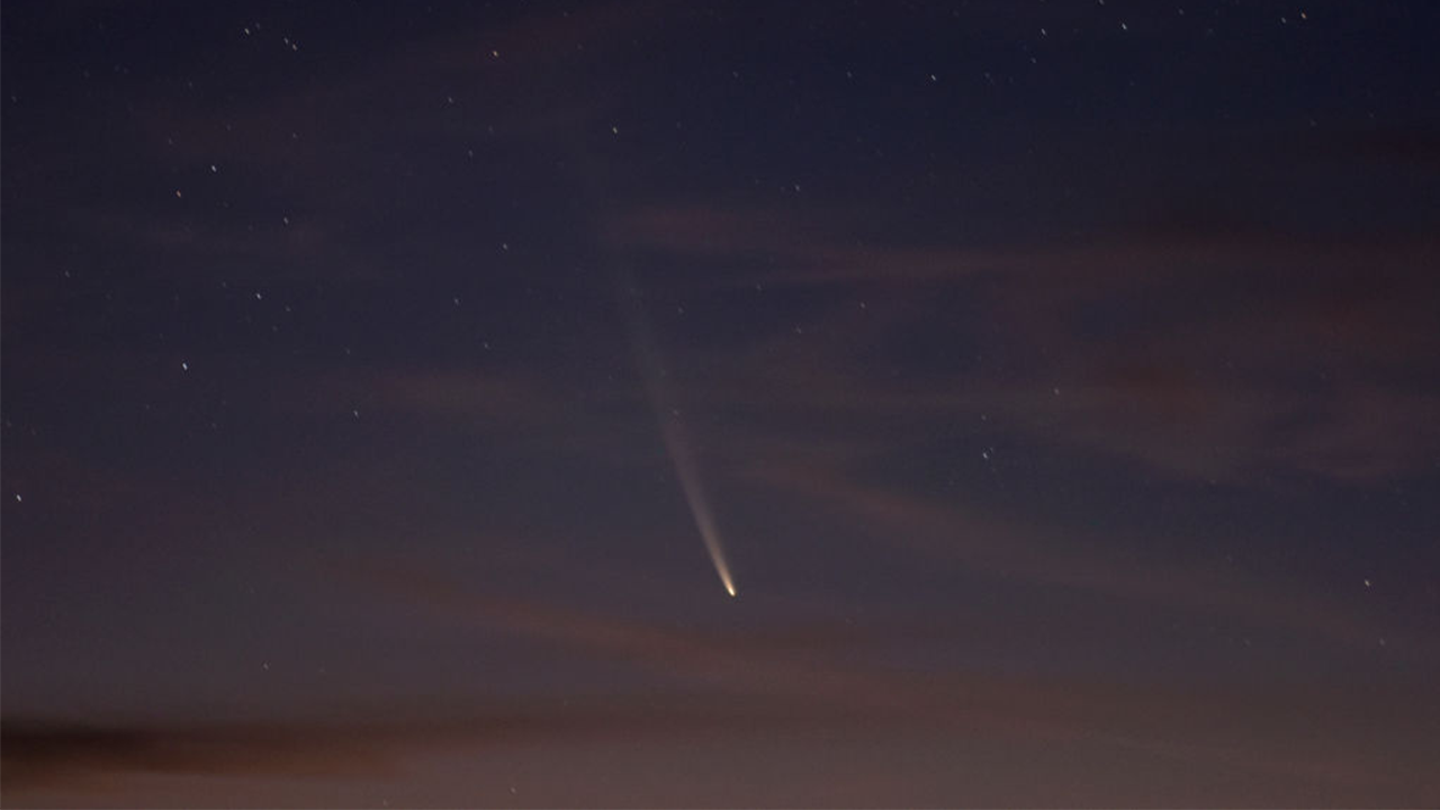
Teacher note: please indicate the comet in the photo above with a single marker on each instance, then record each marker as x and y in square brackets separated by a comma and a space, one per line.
[688, 471]
[672, 430]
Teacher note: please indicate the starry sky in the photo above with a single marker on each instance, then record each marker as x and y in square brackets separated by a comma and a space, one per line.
[390, 389]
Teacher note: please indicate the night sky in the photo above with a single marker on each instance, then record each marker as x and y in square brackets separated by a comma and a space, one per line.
[390, 390]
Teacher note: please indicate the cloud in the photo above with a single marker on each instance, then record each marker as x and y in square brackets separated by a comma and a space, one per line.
[802, 688]
[41, 754]
[1014, 551]
[1234, 355]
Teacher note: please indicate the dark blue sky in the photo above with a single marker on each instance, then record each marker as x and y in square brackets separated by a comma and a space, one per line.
[1062, 378]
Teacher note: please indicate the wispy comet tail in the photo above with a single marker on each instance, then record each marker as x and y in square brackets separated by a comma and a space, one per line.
[673, 431]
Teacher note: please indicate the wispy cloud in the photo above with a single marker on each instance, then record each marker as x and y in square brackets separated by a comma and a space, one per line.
[1205, 355]
[742, 685]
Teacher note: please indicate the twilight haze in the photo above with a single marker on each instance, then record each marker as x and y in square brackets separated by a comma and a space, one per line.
[385, 386]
